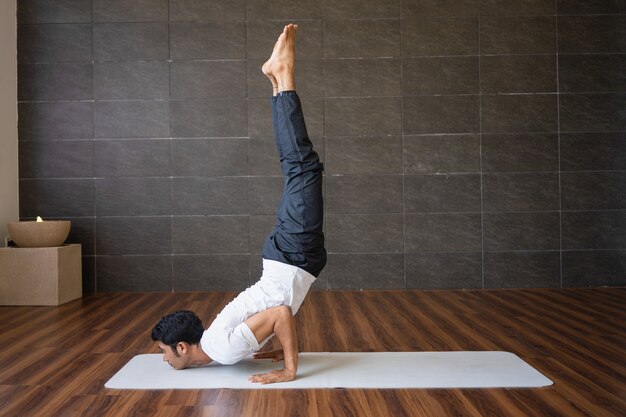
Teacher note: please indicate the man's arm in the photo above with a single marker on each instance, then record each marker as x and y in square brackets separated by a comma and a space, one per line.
[279, 321]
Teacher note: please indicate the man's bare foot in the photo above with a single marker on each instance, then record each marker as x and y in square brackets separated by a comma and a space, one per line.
[280, 68]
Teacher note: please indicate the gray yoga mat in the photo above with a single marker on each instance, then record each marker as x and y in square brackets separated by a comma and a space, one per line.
[342, 370]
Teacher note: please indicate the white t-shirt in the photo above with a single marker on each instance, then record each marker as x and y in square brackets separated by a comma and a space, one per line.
[228, 339]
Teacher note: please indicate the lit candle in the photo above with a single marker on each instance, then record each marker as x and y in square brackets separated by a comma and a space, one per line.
[39, 219]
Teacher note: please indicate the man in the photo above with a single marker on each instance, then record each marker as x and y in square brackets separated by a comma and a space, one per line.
[293, 253]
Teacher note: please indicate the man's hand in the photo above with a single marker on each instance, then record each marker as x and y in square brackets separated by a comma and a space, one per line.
[274, 355]
[282, 375]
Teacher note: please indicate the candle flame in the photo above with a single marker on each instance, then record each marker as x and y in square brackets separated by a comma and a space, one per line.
[39, 219]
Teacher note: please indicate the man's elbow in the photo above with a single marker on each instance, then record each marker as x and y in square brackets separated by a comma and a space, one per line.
[284, 312]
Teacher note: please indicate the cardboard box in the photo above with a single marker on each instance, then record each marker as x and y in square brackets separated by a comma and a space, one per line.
[40, 276]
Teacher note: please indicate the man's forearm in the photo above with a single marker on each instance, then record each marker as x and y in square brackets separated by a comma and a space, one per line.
[285, 330]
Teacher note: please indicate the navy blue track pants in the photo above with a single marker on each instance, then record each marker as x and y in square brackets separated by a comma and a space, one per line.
[297, 238]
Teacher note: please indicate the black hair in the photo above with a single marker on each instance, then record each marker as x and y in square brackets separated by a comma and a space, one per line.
[179, 326]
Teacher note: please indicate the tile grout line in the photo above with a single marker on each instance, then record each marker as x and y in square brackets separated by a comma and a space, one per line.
[93, 131]
[343, 252]
[348, 175]
[169, 110]
[558, 135]
[403, 173]
[312, 19]
[341, 214]
[324, 175]
[480, 158]
[356, 58]
[245, 29]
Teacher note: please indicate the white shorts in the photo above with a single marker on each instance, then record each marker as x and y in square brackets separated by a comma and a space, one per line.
[228, 339]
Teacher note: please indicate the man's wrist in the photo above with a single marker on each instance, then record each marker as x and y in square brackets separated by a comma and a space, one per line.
[291, 373]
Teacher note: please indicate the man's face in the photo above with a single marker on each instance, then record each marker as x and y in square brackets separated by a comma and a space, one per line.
[176, 361]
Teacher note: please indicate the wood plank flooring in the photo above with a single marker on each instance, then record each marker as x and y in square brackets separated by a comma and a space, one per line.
[54, 361]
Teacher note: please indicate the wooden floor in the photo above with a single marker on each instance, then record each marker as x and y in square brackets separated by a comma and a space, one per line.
[55, 361]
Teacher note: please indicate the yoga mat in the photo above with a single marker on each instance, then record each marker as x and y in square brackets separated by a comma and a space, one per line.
[342, 370]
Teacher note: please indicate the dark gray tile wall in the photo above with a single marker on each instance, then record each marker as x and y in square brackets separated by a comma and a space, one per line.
[467, 144]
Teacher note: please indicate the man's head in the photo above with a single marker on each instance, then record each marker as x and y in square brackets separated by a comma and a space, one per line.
[177, 334]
